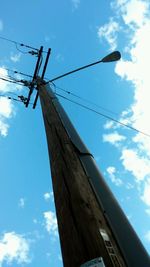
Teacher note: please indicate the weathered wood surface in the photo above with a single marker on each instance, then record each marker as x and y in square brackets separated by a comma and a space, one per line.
[79, 216]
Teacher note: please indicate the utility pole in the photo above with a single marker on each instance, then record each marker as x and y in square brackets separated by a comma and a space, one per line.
[81, 223]
[93, 230]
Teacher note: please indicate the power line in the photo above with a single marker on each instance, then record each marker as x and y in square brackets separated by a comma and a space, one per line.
[103, 115]
[18, 72]
[22, 98]
[9, 77]
[81, 105]
[23, 52]
[12, 81]
[85, 100]
[15, 42]
[16, 81]
[12, 98]
[21, 82]
[21, 44]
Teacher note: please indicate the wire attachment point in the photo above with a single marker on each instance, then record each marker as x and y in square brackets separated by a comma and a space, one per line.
[23, 99]
[33, 53]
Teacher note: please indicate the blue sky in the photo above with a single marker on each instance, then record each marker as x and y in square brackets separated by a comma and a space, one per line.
[79, 32]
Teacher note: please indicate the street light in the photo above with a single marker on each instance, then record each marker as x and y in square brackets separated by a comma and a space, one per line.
[114, 56]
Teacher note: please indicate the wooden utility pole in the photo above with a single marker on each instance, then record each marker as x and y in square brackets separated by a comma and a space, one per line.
[79, 218]
[93, 229]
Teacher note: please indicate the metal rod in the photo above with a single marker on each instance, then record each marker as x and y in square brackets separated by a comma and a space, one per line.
[70, 72]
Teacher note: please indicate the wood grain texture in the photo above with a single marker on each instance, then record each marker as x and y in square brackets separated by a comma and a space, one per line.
[79, 215]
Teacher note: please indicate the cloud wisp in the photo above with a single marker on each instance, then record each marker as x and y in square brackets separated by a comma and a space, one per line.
[76, 3]
[113, 176]
[21, 203]
[15, 57]
[114, 138]
[109, 32]
[49, 196]
[147, 236]
[51, 223]
[1, 25]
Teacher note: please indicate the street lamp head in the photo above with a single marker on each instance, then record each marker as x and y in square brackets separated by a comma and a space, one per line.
[114, 56]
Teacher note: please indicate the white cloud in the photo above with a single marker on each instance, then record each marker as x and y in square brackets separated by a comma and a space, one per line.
[14, 247]
[148, 212]
[51, 222]
[59, 57]
[3, 128]
[109, 32]
[146, 194]
[1, 25]
[133, 17]
[60, 257]
[76, 3]
[21, 203]
[133, 12]
[4, 86]
[113, 138]
[47, 38]
[49, 196]
[136, 70]
[15, 57]
[109, 125]
[129, 217]
[112, 174]
[35, 221]
[7, 109]
[129, 186]
[97, 158]
[6, 112]
[147, 236]
[138, 51]
[139, 166]
[7, 86]
[143, 143]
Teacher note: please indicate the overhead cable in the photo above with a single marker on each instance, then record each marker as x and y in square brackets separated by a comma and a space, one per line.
[18, 72]
[85, 100]
[11, 81]
[21, 98]
[21, 44]
[105, 116]
[15, 42]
